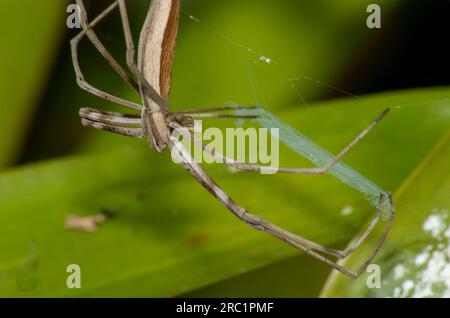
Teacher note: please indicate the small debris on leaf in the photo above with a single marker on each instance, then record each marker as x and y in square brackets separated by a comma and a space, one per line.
[86, 223]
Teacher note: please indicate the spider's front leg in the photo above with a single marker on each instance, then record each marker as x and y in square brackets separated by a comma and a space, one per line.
[327, 167]
[216, 112]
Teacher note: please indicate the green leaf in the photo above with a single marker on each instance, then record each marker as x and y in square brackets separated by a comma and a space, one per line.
[415, 260]
[169, 236]
[30, 42]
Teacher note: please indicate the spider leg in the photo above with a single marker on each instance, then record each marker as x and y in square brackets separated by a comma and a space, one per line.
[125, 125]
[80, 77]
[220, 116]
[260, 224]
[102, 49]
[313, 171]
[216, 109]
[131, 51]
[210, 113]
[330, 251]
[353, 246]
[110, 117]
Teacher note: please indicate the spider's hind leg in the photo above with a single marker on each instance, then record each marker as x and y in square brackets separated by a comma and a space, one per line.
[122, 124]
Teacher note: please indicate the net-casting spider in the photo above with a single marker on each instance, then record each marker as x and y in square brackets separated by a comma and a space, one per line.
[153, 71]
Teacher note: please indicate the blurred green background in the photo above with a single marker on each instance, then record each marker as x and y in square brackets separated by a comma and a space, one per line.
[169, 238]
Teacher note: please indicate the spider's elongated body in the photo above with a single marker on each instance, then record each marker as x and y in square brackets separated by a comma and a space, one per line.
[153, 71]
[156, 53]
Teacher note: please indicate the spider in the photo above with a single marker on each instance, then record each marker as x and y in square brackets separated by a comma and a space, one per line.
[156, 123]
